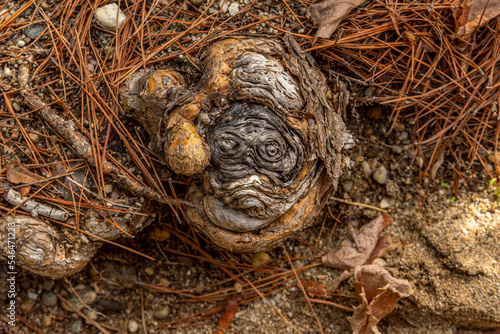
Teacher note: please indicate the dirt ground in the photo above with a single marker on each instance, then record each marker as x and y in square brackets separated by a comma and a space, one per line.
[450, 258]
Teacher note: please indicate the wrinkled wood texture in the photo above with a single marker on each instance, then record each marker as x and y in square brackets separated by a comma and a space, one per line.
[261, 131]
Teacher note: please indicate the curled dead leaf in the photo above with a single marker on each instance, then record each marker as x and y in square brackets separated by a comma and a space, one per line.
[378, 293]
[346, 256]
[315, 288]
[329, 13]
[17, 174]
[473, 14]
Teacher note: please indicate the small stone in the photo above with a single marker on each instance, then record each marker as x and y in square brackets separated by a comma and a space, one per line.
[7, 72]
[149, 271]
[384, 204]
[238, 287]
[397, 149]
[76, 326]
[48, 298]
[380, 175]
[347, 185]
[198, 3]
[91, 315]
[32, 294]
[162, 313]
[34, 31]
[224, 6]
[133, 326]
[48, 284]
[260, 259]
[21, 43]
[16, 106]
[106, 16]
[399, 127]
[47, 321]
[26, 306]
[86, 296]
[408, 197]
[35, 138]
[367, 170]
[108, 188]
[233, 8]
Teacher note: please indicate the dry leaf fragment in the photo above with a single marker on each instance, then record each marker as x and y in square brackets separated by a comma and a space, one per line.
[378, 293]
[473, 14]
[17, 174]
[329, 13]
[346, 256]
[315, 288]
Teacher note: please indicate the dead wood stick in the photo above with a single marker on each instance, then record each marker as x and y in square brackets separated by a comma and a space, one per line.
[35, 208]
[68, 131]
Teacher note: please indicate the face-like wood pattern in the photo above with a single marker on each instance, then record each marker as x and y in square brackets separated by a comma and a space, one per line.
[261, 132]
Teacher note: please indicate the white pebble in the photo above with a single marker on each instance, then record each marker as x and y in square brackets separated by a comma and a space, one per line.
[133, 326]
[380, 175]
[16, 106]
[106, 16]
[7, 72]
[384, 204]
[367, 170]
[21, 43]
[233, 8]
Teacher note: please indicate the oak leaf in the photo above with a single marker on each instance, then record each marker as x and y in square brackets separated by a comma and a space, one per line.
[473, 14]
[329, 13]
[346, 256]
[378, 293]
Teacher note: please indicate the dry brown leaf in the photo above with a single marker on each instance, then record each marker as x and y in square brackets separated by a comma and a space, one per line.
[24, 191]
[17, 174]
[346, 256]
[329, 13]
[378, 293]
[315, 288]
[473, 14]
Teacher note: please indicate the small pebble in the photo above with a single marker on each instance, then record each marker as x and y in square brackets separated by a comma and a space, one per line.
[197, 3]
[162, 313]
[260, 259]
[133, 326]
[367, 170]
[384, 204]
[16, 106]
[32, 295]
[86, 296]
[149, 271]
[380, 175]
[106, 16]
[76, 326]
[26, 306]
[233, 8]
[34, 31]
[238, 287]
[7, 72]
[21, 43]
[35, 138]
[47, 321]
[48, 298]
[347, 185]
[108, 188]
[48, 284]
